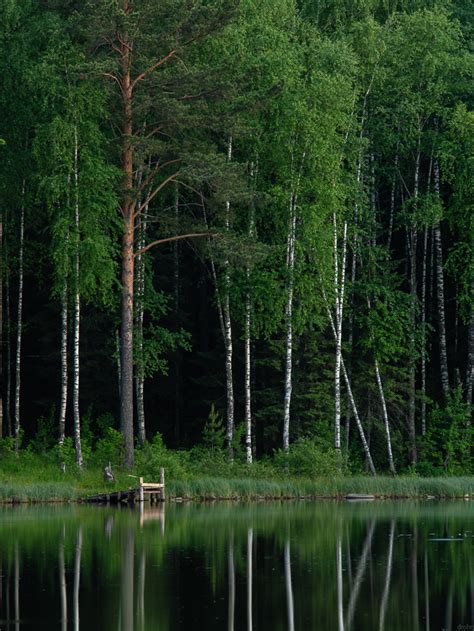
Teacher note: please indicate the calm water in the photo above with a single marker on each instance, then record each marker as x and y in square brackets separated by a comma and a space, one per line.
[324, 566]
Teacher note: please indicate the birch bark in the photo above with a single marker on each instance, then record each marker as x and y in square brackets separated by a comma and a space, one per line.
[290, 266]
[440, 293]
[470, 351]
[19, 324]
[64, 375]
[247, 341]
[1, 323]
[228, 333]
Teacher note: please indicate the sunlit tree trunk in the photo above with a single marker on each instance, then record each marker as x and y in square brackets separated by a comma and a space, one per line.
[470, 351]
[247, 343]
[385, 418]
[19, 324]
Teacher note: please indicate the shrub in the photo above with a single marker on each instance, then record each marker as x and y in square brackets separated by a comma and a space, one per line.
[109, 448]
[308, 458]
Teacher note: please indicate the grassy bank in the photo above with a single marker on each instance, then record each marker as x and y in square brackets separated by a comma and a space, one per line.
[31, 477]
[213, 488]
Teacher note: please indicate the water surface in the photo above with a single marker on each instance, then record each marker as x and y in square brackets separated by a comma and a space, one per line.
[264, 566]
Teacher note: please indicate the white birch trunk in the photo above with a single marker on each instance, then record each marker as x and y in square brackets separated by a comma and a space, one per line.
[423, 331]
[8, 406]
[228, 333]
[385, 418]
[76, 312]
[247, 344]
[19, 324]
[339, 290]
[350, 394]
[440, 294]
[64, 375]
[139, 318]
[290, 266]
[413, 294]
[470, 351]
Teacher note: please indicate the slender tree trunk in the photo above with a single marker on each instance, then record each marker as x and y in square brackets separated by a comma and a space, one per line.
[392, 204]
[1, 323]
[128, 212]
[423, 332]
[139, 318]
[413, 295]
[19, 324]
[350, 394]
[350, 339]
[228, 333]
[440, 294]
[77, 313]
[470, 351]
[385, 418]
[247, 342]
[64, 375]
[177, 353]
[339, 290]
[290, 266]
[8, 405]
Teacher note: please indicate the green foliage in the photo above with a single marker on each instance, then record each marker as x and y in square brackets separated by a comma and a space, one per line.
[109, 448]
[447, 446]
[309, 458]
[214, 432]
[45, 436]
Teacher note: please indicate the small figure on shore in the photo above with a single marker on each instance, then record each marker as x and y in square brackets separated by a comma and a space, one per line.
[62, 466]
[109, 474]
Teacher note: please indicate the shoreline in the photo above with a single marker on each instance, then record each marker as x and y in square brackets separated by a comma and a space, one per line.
[216, 489]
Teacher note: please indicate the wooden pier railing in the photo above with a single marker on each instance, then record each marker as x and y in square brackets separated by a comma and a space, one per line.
[152, 492]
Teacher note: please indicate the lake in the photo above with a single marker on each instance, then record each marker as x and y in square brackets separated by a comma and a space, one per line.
[258, 566]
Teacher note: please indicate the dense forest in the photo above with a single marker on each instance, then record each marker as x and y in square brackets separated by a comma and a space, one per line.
[246, 222]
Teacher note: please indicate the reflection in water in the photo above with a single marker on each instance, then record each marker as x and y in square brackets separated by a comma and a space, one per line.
[249, 579]
[126, 600]
[289, 586]
[102, 568]
[359, 577]
[231, 572]
[62, 581]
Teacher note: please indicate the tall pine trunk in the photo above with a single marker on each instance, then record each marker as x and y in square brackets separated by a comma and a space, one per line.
[8, 403]
[19, 329]
[1, 323]
[77, 312]
[128, 208]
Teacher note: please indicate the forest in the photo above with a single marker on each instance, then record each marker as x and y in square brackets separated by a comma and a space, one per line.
[239, 231]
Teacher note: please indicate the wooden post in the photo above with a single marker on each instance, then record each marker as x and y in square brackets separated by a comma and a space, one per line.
[141, 491]
[162, 481]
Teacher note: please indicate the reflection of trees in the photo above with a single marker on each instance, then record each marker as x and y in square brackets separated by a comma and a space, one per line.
[231, 573]
[289, 587]
[126, 575]
[77, 576]
[359, 577]
[388, 576]
[62, 582]
[249, 579]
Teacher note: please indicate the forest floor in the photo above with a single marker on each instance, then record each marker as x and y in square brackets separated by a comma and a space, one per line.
[33, 480]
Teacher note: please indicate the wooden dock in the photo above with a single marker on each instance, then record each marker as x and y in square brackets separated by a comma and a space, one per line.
[152, 492]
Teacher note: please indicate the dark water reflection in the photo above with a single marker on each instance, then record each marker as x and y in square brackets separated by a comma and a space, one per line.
[384, 566]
